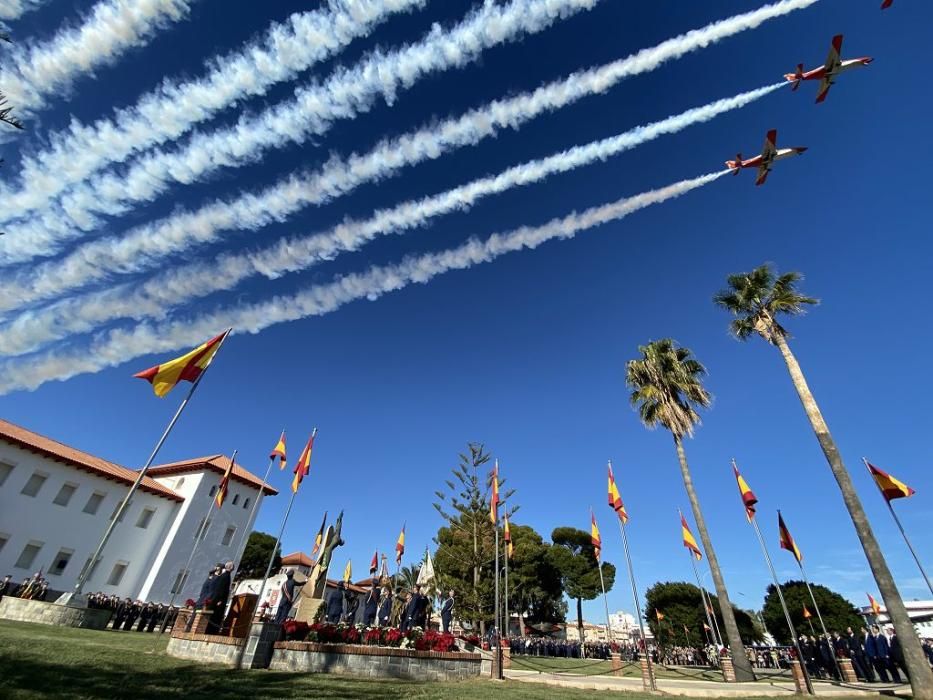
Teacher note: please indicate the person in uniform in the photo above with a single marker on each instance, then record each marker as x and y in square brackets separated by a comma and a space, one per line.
[352, 603]
[447, 612]
[371, 606]
[416, 610]
[335, 604]
[220, 591]
[287, 595]
[384, 615]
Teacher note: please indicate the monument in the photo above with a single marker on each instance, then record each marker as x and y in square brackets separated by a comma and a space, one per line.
[311, 597]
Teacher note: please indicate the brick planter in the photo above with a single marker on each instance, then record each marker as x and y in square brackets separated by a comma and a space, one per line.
[728, 669]
[208, 648]
[374, 662]
[800, 682]
[848, 671]
[647, 675]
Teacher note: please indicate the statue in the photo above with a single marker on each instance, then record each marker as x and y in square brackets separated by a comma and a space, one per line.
[312, 594]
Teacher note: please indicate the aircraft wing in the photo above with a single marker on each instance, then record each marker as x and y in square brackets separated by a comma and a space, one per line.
[832, 60]
[769, 149]
[763, 171]
[825, 84]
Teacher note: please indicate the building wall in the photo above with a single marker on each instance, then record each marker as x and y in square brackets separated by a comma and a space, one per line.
[25, 519]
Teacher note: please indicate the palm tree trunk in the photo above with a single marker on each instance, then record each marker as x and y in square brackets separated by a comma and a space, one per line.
[743, 667]
[921, 677]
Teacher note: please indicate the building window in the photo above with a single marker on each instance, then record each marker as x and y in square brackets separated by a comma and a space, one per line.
[93, 503]
[236, 498]
[116, 508]
[245, 503]
[203, 527]
[180, 580]
[212, 491]
[60, 562]
[228, 536]
[117, 574]
[64, 494]
[28, 555]
[34, 484]
[145, 518]
[5, 470]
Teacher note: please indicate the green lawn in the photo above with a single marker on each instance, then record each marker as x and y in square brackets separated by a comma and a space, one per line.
[37, 661]
[587, 667]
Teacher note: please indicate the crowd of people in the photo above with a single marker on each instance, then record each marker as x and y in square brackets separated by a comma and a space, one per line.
[128, 614]
[383, 608]
[561, 648]
[34, 587]
[876, 655]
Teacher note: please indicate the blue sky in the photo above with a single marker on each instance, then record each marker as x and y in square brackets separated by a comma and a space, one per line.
[527, 354]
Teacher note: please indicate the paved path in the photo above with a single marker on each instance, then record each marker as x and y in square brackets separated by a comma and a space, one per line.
[704, 689]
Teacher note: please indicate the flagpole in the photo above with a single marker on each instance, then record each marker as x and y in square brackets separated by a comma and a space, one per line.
[241, 546]
[200, 536]
[641, 622]
[790, 625]
[67, 598]
[265, 578]
[496, 616]
[810, 622]
[696, 572]
[602, 584]
[506, 611]
[903, 532]
[819, 617]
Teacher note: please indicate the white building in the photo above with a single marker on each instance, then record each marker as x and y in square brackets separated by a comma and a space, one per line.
[56, 501]
[920, 613]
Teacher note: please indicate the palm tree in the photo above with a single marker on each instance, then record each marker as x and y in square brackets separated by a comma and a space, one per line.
[756, 299]
[667, 389]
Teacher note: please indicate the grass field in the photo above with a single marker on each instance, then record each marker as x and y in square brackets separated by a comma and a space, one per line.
[37, 661]
[586, 667]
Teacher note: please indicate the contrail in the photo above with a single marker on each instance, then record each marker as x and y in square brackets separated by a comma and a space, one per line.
[39, 69]
[312, 111]
[170, 110]
[14, 9]
[158, 295]
[144, 246]
[117, 346]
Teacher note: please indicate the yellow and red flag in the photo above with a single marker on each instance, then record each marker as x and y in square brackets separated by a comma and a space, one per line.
[875, 608]
[374, 563]
[594, 536]
[707, 627]
[279, 451]
[319, 537]
[748, 496]
[186, 368]
[615, 499]
[890, 487]
[508, 537]
[303, 467]
[806, 613]
[494, 499]
[659, 615]
[348, 572]
[689, 541]
[787, 542]
[400, 546]
[224, 485]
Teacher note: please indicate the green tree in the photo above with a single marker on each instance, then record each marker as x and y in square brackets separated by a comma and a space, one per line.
[535, 592]
[838, 613]
[466, 543]
[407, 577]
[681, 605]
[757, 299]
[667, 389]
[256, 556]
[573, 555]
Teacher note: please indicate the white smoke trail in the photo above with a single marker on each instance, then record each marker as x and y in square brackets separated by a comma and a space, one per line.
[158, 295]
[170, 110]
[14, 9]
[347, 93]
[144, 246]
[39, 69]
[118, 346]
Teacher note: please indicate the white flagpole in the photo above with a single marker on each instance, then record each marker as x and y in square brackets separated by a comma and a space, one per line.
[252, 513]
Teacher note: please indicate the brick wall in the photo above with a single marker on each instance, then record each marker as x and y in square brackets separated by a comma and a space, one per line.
[208, 648]
[45, 613]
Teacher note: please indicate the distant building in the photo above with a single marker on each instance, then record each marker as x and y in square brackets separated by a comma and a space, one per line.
[56, 501]
[920, 613]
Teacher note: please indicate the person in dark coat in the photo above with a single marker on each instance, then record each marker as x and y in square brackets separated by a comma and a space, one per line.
[352, 603]
[335, 604]
[447, 612]
[896, 658]
[371, 606]
[7, 585]
[287, 595]
[385, 607]
[416, 610]
[133, 611]
[876, 648]
[220, 591]
[856, 652]
[827, 658]
[144, 613]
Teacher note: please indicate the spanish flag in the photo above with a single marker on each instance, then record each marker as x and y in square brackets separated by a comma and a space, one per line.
[806, 613]
[400, 546]
[890, 487]
[508, 537]
[303, 468]
[748, 496]
[494, 499]
[279, 451]
[615, 500]
[787, 542]
[875, 608]
[187, 368]
[224, 485]
[689, 541]
[594, 536]
[319, 537]
[374, 563]
[659, 615]
[348, 572]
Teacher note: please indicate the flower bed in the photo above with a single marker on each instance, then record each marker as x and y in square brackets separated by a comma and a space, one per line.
[325, 633]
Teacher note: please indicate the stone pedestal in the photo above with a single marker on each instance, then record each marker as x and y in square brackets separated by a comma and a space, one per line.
[616, 661]
[848, 671]
[44, 613]
[259, 645]
[647, 675]
[800, 681]
[728, 669]
[201, 618]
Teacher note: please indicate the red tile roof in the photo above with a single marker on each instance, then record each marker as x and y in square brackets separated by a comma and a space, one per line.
[217, 463]
[34, 442]
[297, 559]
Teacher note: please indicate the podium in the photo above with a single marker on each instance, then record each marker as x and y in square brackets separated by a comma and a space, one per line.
[240, 615]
